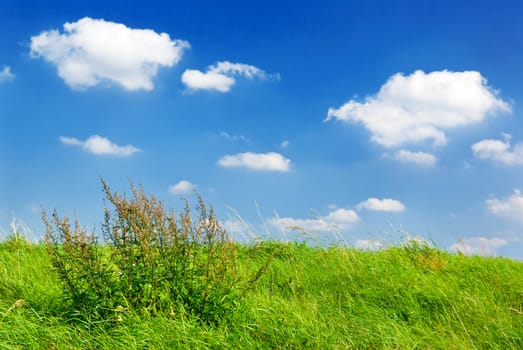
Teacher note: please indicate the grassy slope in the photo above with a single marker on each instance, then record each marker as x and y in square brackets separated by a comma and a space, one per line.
[309, 298]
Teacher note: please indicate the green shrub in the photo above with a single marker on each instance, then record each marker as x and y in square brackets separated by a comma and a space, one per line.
[152, 262]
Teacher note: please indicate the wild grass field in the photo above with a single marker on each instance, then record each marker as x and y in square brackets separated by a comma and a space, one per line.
[265, 295]
[309, 298]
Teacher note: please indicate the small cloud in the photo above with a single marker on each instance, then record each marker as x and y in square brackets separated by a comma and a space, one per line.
[220, 77]
[385, 204]
[509, 208]
[336, 220]
[422, 106]
[91, 51]
[418, 158]
[100, 145]
[342, 216]
[256, 161]
[182, 187]
[6, 74]
[234, 137]
[478, 246]
[239, 228]
[368, 244]
[284, 144]
[238, 69]
[499, 151]
[196, 80]
[236, 226]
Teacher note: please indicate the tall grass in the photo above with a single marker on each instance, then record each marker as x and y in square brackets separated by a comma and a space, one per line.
[317, 298]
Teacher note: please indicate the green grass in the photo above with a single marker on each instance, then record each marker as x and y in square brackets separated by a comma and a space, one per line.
[317, 298]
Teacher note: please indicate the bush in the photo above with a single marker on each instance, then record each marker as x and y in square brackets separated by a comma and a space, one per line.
[152, 262]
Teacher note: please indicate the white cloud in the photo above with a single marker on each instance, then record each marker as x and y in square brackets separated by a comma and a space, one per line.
[239, 69]
[284, 144]
[236, 226]
[336, 220]
[94, 50]
[478, 246]
[386, 204]
[256, 161]
[342, 216]
[240, 229]
[419, 158]
[500, 151]
[196, 80]
[220, 77]
[421, 106]
[234, 137]
[100, 145]
[6, 74]
[510, 208]
[368, 244]
[182, 187]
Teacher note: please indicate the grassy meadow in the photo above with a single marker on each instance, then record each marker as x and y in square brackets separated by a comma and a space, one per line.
[160, 280]
[408, 297]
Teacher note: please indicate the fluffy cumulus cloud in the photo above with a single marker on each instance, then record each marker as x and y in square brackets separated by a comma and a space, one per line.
[419, 158]
[100, 145]
[385, 204]
[336, 220]
[478, 246]
[220, 77]
[499, 151]
[256, 161]
[6, 74]
[509, 208]
[90, 51]
[182, 187]
[422, 106]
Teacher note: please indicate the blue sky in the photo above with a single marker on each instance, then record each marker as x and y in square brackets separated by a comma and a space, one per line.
[353, 120]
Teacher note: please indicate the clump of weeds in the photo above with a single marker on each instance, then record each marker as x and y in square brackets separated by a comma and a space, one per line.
[150, 262]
